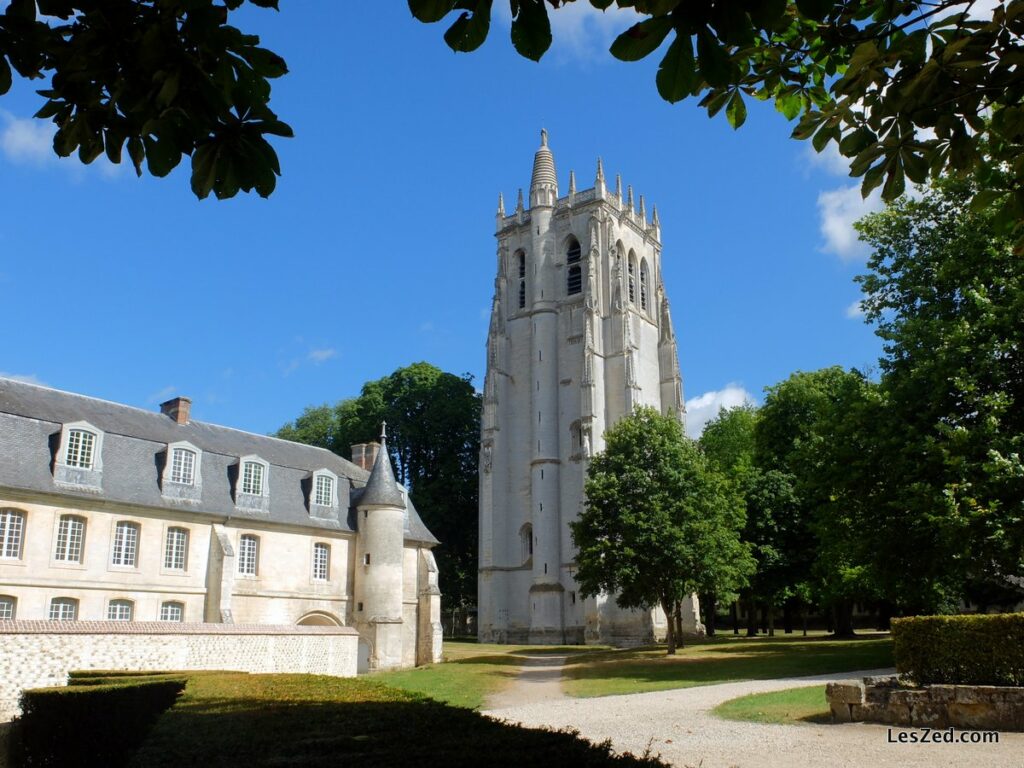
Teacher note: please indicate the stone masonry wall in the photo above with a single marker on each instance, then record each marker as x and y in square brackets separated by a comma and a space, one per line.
[36, 654]
[883, 700]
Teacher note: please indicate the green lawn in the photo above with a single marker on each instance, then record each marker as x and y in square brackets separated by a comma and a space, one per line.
[793, 705]
[722, 659]
[470, 671]
[233, 719]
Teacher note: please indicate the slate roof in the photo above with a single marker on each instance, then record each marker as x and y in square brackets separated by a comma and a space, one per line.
[381, 489]
[134, 446]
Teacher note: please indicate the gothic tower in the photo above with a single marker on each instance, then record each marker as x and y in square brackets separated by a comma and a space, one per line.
[580, 335]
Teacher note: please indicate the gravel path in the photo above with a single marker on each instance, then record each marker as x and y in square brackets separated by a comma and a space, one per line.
[678, 725]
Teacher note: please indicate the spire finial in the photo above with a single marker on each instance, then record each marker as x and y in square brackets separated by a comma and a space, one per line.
[383, 432]
[629, 196]
[600, 171]
[572, 182]
[654, 217]
[618, 186]
[543, 137]
[643, 211]
[501, 204]
[519, 200]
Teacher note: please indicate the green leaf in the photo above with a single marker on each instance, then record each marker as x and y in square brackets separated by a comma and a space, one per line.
[856, 142]
[470, 30]
[531, 29]
[137, 153]
[894, 183]
[807, 126]
[822, 137]
[715, 65]
[676, 74]
[429, 11]
[736, 112]
[789, 104]
[715, 101]
[915, 165]
[641, 39]
[814, 9]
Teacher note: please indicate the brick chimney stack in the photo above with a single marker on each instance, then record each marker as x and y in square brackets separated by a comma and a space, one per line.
[364, 454]
[178, 408]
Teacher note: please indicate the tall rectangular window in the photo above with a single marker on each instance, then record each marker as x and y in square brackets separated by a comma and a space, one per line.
[126, 544]
[12, 531]
[70, 535]
[324, 491]
[7, 607]
[321, 562]
[248, 554]
[176, 549]
[80, 447]
[63, 609]
[252, 478]
[183, 466]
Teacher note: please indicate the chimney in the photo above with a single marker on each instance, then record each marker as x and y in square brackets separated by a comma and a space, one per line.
[178, 408]
[364, 454]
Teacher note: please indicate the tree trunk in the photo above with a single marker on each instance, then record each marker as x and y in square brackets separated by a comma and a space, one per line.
[770, 609]
[712, 608]
[764, 618]
[844, 619]
[803, 618]
[670, 637]
[787, 617]
[734, 614]
[884, 616]
[679, 625]
[751, 618]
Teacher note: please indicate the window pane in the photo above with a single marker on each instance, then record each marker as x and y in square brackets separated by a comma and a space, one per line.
[321, 562]
[63, 609]
[80, 447]
[252, 478]
[70, 533]
[120, 610]
[248, 552]
[324, 490]
[172, 611]
[7, 604]
[12, 526]
[183, 463]
[176, 549]
[126, 543]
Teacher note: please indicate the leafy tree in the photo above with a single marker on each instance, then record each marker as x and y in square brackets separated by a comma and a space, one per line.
[433, 422]
[658, 523]
[900, 86]
[164, 79]
[941, 475]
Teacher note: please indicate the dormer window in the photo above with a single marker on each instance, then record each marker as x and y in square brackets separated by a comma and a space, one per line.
[252, 487]
[324, 491]
[183, 466]
[79, 458]
[182, 477]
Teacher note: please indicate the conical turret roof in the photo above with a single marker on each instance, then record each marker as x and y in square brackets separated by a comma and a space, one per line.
[382, 489]
[543, 165]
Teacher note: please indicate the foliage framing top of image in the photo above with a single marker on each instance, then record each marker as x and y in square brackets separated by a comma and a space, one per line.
[907, 90]
[162, 79]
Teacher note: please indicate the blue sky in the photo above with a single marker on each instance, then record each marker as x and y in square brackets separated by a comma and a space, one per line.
[377, 249]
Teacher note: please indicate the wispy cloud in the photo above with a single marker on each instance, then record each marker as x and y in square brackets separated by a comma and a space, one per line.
[28, 378]
[318, 356]
[828, 160]
[703, 408]
[855, 310]
[580, 32]
[162, 394]
[26, 140]
[838, 209]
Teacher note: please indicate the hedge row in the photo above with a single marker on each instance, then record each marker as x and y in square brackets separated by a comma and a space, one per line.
[82, 724]
[984, 649]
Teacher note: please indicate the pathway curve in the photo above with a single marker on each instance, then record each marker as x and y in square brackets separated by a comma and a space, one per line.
[539, 681]
[678, 724]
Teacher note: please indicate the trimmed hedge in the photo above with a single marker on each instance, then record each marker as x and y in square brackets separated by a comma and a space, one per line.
[97, 724]
[983, 649]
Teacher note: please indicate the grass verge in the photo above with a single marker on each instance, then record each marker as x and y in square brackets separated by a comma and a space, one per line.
[792, 705]
[722, 659]
[234, 719]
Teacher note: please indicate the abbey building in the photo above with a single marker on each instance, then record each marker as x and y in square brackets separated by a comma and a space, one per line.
[580, 335]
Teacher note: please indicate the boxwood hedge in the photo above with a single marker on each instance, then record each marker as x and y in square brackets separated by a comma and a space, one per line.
[983, 649]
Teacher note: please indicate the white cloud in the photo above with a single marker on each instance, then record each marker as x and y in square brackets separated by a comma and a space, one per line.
[579, 31]
[838, 209]
[320, 355]
[855, 310]
[162, 395]
[28, 378]
[828, 160]
[703, 408]
[26, 140]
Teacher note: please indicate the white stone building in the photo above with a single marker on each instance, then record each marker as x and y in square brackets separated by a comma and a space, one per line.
[580, 335]
[109, 512]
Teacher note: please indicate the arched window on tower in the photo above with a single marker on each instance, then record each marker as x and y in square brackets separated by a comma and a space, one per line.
[644, 284]
[526, 538]
[632, 279]
[574, 275]
[521, 258]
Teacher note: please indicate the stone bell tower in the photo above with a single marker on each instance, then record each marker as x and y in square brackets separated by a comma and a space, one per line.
[580, 334]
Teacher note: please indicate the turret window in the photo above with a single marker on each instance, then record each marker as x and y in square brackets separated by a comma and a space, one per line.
[574, 275]
[526, 539]
[643, 284]
[521, 257]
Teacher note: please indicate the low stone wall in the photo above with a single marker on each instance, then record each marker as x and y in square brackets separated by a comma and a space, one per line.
[37, 654]
[883, 700]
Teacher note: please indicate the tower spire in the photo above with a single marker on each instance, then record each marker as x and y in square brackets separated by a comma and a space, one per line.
[629, 197]
[501, 204]
[599, 188]
[572, 182]
[643, 211]
[618, 188]
[544, 184]
[381, 487]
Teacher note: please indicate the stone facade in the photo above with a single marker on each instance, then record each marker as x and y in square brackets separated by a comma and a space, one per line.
[256, 531]
[580, 335]
[883, 700]
[37, 654]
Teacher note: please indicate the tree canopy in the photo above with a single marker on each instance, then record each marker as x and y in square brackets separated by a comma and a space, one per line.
[160, 79]
[906, 89]
[658, 522]
[433, 422]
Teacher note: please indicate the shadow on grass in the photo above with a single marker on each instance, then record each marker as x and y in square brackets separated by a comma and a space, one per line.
[359, 723]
